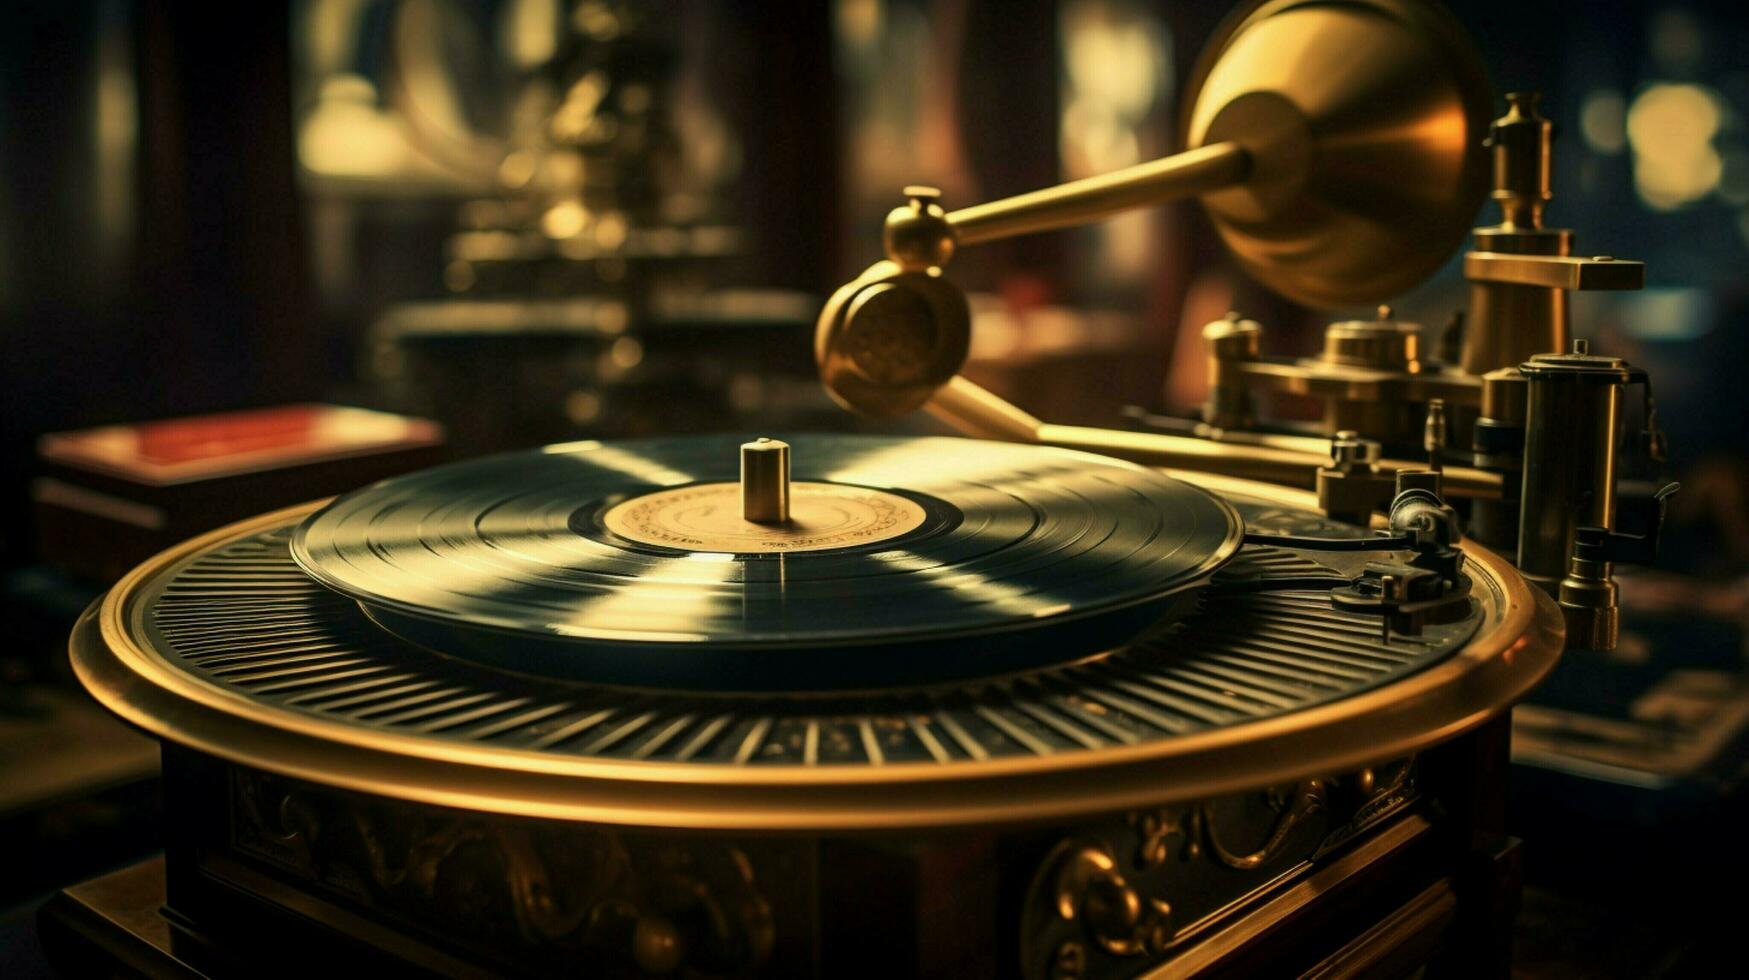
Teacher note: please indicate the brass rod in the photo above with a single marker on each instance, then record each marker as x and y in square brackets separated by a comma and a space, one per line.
[1181, 175]
[1279, 466]
[979, 412]
[1271, 440]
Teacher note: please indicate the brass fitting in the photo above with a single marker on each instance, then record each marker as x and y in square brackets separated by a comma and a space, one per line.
[1351, 488]
[1433, 434]
[1588, 595]
[917, 236]
[1429, 480]
[1519, 142]
[1590, 603]
[1231, 342]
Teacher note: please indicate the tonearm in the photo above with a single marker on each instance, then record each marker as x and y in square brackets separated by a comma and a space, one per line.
[1341, 151]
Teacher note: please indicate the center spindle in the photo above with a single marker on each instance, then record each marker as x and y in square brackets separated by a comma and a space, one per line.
[765, 481]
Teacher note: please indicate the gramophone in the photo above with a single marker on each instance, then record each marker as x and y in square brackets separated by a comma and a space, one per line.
[841, 705]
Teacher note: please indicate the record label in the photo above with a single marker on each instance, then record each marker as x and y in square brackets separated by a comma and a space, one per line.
[707, 518]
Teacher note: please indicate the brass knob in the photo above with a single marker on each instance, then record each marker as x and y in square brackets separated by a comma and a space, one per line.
[765, 481]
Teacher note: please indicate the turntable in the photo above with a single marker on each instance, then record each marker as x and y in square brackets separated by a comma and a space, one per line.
[832, 705]
[666, 705]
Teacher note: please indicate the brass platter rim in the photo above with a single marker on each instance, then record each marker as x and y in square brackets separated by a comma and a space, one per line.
[1518, 644]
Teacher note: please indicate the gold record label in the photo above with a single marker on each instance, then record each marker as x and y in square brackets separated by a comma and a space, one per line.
[707, 517]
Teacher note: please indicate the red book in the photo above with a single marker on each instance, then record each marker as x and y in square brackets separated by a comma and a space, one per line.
[110, 497]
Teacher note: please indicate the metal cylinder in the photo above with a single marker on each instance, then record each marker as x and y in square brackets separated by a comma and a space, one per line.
[1515, 322]
[1385, 343]
[1497, 444]
[765, 481]
[1231, 342]
[1519, 144]
[1571, 408]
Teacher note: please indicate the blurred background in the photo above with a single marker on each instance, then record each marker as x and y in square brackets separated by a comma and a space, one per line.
[251, 254]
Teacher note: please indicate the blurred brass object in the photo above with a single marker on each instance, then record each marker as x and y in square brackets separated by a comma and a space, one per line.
[765, 481]
[982, 413]
[1364, 124]
[1520, 271]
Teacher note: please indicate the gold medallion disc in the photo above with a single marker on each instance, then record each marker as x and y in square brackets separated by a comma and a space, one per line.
[707, 517]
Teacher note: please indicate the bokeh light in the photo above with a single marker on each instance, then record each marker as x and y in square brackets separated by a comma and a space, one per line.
[1671, 128]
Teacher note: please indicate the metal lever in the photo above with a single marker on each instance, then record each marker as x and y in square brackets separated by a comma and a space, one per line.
[1600, 544]
[1181, 175]
[1555, 271]
[1590, 601]
[919, 236]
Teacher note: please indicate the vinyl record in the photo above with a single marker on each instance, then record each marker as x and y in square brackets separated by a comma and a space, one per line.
[909, 561]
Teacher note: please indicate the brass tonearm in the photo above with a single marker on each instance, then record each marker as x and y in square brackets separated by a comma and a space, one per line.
[1336, 147]
[1341, 150]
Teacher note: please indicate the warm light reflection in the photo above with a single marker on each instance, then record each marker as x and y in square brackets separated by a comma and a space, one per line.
[626, 353]
[530, 35]
[347, 135]
[670, 590]
[1116, 69]
[625, 461]
[859, 21]
[566, 219]
[977, 463]
[1671, 128]
[117, 136]
[980, 590]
